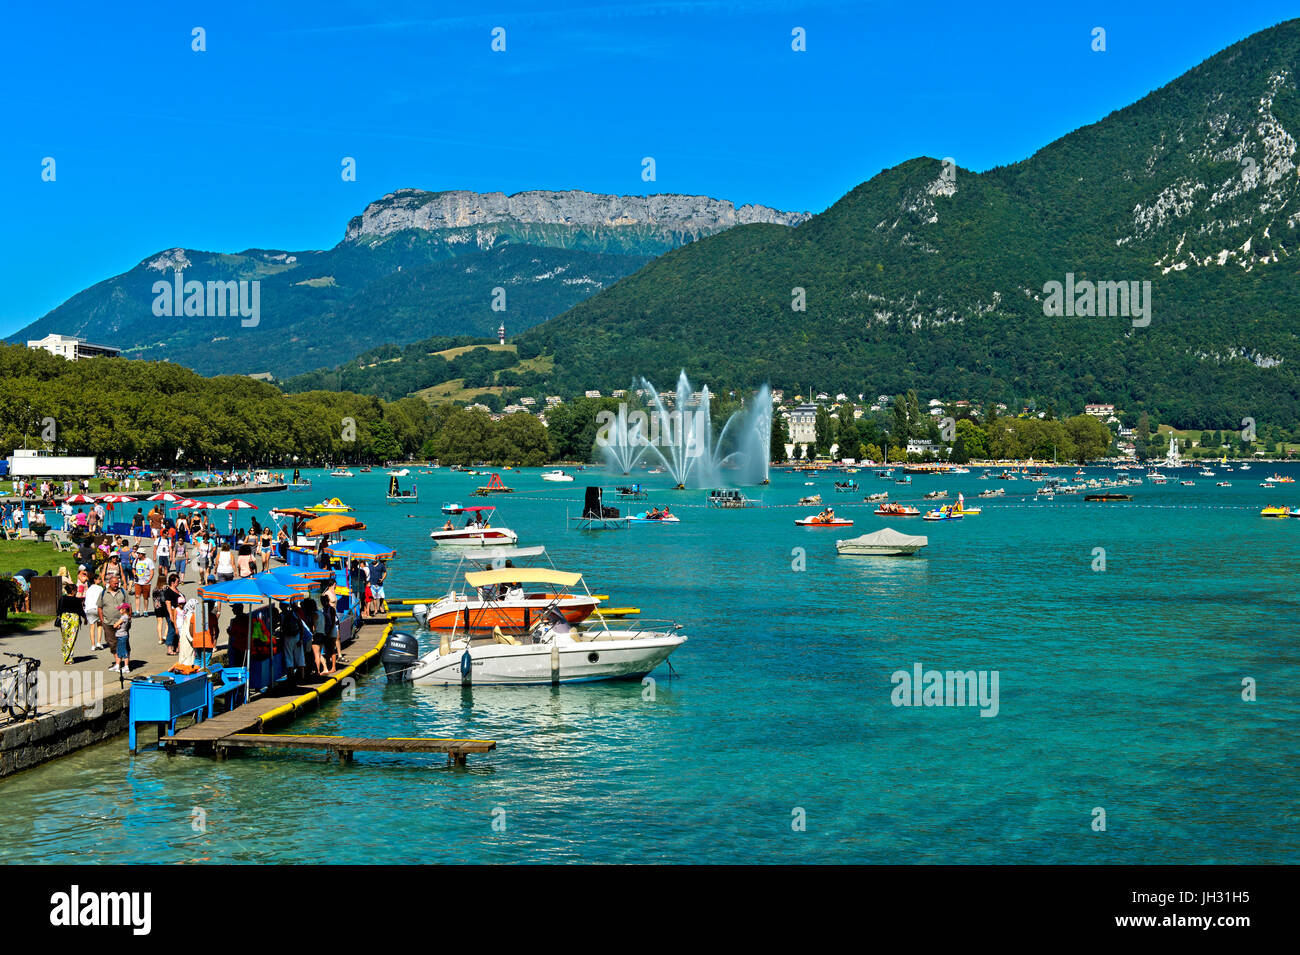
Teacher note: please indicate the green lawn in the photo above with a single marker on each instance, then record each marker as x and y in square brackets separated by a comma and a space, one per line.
[21, 623]
[15, 555]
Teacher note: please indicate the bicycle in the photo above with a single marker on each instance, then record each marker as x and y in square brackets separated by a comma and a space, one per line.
[18, 687]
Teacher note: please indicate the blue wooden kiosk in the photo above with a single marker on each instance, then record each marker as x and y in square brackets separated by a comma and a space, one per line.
[165, 697]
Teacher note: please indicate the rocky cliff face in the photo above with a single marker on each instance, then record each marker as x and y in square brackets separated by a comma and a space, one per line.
[670, 217]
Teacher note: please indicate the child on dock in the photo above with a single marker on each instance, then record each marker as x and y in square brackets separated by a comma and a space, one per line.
[122, 631]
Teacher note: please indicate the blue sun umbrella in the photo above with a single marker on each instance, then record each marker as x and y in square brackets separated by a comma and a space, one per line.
[256, 589]
[260, 588]
[361, 550]
[302, 581]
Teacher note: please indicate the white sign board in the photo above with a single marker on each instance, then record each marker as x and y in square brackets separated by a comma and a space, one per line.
[50, 465]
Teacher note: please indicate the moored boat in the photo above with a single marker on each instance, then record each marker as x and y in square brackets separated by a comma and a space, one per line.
[507, 604]
[477, 531]
[883, 543]
[550, 651]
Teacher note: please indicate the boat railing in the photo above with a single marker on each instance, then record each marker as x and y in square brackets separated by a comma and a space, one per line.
[659, 626]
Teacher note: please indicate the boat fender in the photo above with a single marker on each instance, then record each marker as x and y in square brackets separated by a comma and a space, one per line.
[466, 668]
[555, 664]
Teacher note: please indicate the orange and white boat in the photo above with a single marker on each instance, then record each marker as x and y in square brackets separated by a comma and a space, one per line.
[503, 598]
[824, 520]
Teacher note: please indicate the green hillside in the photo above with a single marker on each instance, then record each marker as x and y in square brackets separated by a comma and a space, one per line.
[918, 280]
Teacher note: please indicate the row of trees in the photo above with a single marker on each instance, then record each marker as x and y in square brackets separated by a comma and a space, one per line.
[160, 414]
[1079, 438]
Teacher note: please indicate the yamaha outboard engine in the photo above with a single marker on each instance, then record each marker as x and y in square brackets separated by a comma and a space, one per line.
[400, 654]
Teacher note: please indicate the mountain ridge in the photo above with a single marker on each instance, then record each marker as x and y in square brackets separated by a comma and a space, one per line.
[397, 279]
[934, 277]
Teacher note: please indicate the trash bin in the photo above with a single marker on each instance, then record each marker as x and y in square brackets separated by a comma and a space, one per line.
[45, 595]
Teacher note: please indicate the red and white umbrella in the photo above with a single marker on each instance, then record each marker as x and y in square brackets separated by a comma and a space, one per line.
[80, 499]
[203, 505]
[183, 504]
[235, 504]
[165, 496]
[116, 499]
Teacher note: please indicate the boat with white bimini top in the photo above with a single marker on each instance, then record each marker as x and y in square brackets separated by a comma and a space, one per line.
[556, 475]
[552, 651]
[883, 543]
[477, 531]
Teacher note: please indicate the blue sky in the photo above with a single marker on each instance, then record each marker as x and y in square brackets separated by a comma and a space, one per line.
[241, 146]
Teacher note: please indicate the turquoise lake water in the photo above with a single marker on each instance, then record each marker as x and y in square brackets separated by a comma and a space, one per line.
[1119, 689]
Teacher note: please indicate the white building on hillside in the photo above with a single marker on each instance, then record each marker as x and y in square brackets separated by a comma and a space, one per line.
[72, 348]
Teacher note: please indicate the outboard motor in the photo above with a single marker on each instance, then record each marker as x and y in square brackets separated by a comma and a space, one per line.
[421, 614]
[400, 654]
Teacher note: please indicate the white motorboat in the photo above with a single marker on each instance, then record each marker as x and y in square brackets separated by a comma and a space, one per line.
[551, 653]
[404, 472]
[556, 475]
[883, 543]
[477, 531]
[341, 472]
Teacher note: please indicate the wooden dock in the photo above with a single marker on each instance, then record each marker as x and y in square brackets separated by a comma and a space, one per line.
[345, 746]
[244, 727]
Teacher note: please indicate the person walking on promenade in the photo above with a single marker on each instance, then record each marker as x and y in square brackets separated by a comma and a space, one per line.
[90, 604]
[163, 550]
[72, 614]
[180, 554]
[122, 636]
[172, 600]
[244, 566]
[225, 563]
[160, 606]
[142, 568]
[264, 549]
[202, 557]
[106, 608]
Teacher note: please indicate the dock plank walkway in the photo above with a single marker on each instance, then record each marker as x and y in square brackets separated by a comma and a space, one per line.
[244, 727]
[345, 746]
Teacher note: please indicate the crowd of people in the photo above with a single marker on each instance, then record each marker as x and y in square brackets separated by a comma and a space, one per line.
[118, 580]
